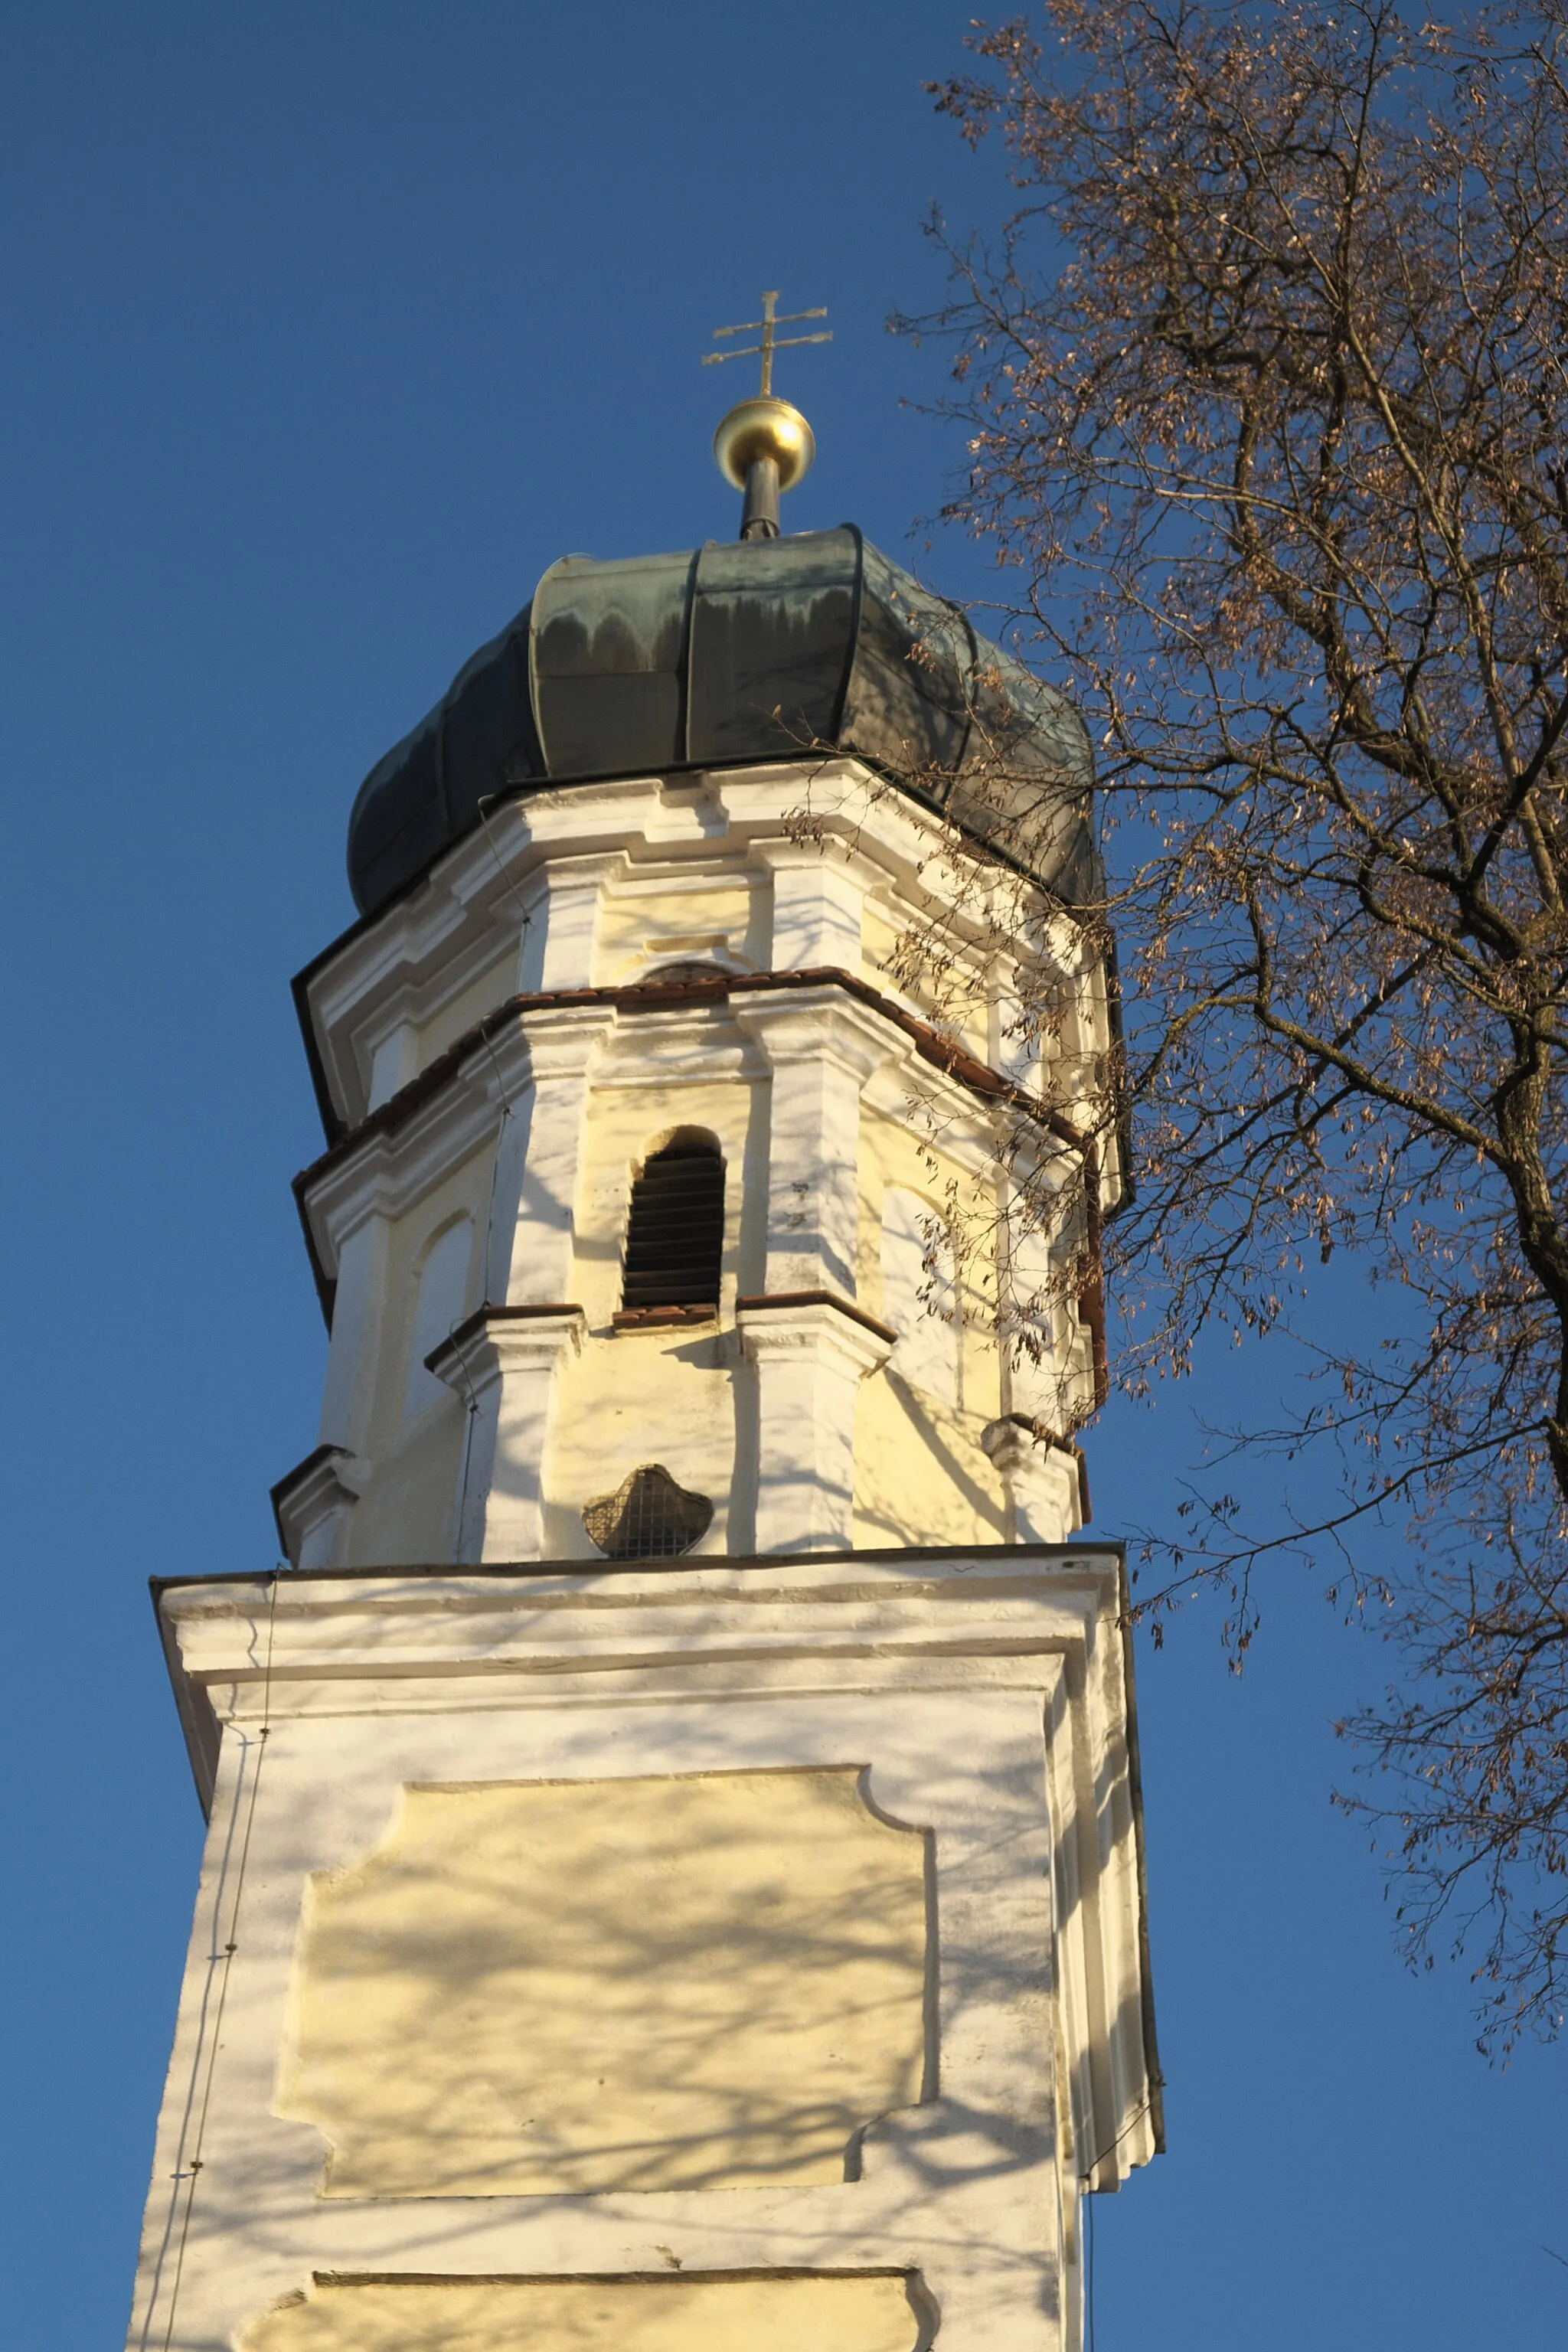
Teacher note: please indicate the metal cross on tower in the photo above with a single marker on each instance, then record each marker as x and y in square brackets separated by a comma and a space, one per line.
[764, 444]
[771, 343]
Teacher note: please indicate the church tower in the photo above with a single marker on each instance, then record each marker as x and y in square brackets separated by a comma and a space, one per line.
[674, 1873]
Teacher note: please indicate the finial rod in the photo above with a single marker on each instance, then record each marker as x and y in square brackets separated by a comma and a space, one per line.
[760, 515]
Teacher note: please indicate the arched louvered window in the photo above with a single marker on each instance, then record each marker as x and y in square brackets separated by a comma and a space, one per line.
[675, 1232]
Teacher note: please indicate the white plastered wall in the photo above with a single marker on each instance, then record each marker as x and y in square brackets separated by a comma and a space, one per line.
[822, 1105]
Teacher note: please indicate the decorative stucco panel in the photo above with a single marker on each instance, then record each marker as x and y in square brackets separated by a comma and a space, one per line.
[848, 2314]
[669, 1982]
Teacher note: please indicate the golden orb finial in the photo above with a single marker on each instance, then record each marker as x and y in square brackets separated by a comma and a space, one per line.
[765, 427]
[764, 445]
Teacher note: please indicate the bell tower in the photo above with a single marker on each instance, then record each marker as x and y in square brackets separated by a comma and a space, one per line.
[674, 1873]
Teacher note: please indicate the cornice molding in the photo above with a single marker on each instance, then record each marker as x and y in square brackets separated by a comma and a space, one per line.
[943, 1053]
[331, 1478]
[814, 1323]
[804, 1025]
[775, 1301]
[646, 831]
[495, 1340]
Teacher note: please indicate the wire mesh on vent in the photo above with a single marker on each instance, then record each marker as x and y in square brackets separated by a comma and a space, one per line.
[649, 1517]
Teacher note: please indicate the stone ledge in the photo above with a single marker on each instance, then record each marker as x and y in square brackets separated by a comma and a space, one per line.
[765, 1302]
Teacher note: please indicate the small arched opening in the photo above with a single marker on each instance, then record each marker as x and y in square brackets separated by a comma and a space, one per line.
[689, 968]
[675, 1232]
[440, 1300]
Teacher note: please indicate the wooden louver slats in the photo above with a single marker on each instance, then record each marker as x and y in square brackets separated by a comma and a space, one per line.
[675, 1231]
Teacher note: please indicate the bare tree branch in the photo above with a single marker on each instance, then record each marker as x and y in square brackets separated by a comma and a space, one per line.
[1266, 410]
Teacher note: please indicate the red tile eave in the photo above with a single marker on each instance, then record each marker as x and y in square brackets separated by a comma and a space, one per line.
[656, 995]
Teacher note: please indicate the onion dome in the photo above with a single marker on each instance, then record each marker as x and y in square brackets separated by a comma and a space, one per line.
[736, 652]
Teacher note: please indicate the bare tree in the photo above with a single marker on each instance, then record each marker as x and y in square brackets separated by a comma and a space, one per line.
[1263, 384]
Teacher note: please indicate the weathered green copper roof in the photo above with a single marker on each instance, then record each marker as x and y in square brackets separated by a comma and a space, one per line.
[753, 650]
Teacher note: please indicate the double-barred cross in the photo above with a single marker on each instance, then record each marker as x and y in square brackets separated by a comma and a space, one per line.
[771, 342]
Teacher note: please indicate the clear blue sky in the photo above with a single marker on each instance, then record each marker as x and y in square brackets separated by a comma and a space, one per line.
[328, 327]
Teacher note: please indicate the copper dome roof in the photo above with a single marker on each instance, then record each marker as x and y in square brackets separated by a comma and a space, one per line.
[737, 652]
